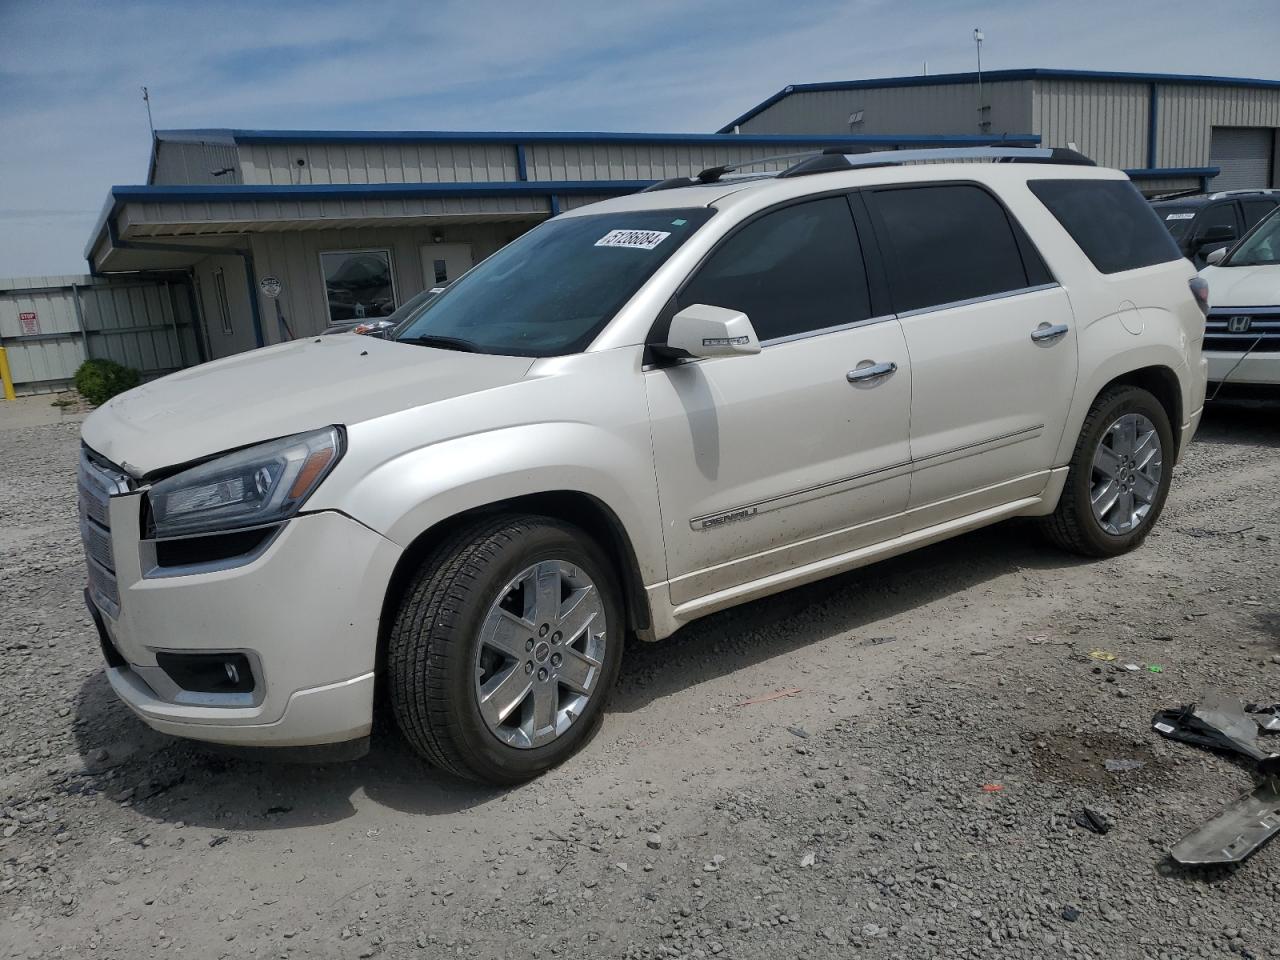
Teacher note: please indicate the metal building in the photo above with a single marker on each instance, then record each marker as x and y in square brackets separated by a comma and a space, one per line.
[1167, 131]
[351, 224]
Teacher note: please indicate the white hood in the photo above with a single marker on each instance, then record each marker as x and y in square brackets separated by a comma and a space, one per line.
[1243, 286]
[282, 390]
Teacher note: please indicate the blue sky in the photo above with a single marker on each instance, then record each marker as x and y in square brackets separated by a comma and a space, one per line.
[72, 122]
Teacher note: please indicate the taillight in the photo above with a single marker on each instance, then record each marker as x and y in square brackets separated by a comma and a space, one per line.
[1200, 290]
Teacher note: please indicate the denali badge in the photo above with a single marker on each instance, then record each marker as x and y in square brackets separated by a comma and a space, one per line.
[1239, 324]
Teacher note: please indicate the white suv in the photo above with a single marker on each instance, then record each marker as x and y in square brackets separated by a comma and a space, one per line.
[636, 414]
[1242, 339]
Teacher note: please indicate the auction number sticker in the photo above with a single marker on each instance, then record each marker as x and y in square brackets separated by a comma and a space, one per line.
[1180, 216]
[632, 239]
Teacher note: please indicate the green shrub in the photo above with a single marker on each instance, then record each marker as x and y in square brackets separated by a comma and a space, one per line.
[100, 380]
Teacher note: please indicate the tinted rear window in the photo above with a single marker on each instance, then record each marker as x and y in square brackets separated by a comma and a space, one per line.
[950, 243]
[1110, 221]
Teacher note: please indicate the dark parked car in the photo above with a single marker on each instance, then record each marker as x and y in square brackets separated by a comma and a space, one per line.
[1204, 222]
[378, 326]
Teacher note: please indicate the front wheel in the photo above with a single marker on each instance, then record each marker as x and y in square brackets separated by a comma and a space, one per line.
[1118, 478]
[505, 648]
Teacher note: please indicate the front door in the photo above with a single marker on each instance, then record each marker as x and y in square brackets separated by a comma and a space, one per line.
[993, 348]
[442, 263]
[768, 462]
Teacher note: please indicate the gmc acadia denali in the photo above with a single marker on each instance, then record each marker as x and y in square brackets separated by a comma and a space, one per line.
[638, 413]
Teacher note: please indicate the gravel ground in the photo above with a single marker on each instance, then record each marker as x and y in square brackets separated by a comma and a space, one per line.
[912, 796]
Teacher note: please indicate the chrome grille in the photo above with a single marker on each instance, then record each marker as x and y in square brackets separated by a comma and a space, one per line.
[97, 483]
[1262, 328]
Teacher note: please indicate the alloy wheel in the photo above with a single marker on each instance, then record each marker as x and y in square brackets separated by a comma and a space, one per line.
[1127, 468]
[541, 650]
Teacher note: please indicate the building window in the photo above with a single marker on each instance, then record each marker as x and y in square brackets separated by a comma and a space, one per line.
[357, 284]
[224, 305]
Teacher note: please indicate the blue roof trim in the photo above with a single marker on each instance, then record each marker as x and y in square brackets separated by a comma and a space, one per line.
[998, 76]
[198, 193]
[1151, 173]
[517, 138]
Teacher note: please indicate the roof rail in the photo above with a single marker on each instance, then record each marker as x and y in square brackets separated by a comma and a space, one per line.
[1265, 191]
[835, 158]
[714, 174]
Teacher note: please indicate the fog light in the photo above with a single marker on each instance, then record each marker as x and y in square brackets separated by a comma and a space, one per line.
[208, 672]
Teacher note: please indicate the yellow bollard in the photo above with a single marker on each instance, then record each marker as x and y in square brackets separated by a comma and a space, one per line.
[6, 377]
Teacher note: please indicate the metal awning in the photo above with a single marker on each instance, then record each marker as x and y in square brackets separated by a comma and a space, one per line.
[195, 216]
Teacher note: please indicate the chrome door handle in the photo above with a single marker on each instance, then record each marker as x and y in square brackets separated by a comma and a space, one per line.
[1048, 333]
[877, 371]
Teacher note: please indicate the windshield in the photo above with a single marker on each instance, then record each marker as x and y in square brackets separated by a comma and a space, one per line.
[552, 290]
[1262, 247]
[1176, 218]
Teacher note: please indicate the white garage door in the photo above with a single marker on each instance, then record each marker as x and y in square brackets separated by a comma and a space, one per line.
[1244, 156]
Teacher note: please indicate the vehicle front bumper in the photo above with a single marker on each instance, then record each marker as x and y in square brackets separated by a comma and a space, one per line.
[305, 612]
[1259, 369]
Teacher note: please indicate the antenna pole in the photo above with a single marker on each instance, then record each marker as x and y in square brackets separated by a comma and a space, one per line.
[146, 98]
[977, 39]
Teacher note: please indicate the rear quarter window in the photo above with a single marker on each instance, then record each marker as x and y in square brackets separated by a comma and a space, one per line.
[1110, 221]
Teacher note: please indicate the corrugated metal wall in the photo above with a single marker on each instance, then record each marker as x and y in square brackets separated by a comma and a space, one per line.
[1106, 120]
[195, 163]
[144, 324]
[377, 163]
[487, 162]
[1188, 114]
[942, 109]
[642, 161]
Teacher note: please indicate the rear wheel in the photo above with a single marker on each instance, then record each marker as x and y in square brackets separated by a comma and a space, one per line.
[1118, 478]
[505, 648]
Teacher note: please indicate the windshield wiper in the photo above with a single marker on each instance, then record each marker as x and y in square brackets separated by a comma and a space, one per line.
[444, 343]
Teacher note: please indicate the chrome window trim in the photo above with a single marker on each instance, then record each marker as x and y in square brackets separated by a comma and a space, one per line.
[838, 328]
[1005, 295]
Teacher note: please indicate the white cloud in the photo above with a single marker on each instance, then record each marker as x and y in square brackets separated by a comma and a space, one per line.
[72, 122]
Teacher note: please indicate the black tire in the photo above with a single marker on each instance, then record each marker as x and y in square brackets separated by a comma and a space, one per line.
[433, 642]
[1073, 526]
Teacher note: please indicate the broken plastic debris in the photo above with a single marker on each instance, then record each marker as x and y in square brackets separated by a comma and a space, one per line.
[1091, 819]
[1218, 724]
[1237, 831]
[1155, 668]
[1103, 655]
[1132, 667]
[1121, 766]
[1266, 716]
[807, 859]
[992, 787]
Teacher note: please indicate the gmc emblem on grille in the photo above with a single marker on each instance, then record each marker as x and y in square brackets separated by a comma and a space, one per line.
[1239, 324]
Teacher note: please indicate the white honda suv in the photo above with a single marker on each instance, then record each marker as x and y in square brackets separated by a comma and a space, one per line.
[1242, 335]
[638, 413]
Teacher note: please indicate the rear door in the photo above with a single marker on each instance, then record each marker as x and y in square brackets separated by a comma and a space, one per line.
[992, 344]
[768, 462]
[1255, 209]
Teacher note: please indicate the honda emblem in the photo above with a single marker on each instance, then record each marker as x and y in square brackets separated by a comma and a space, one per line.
[1239, 324]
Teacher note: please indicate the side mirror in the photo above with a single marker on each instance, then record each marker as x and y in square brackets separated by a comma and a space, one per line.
[1216, 257]
[700, 330]
[1219, 233]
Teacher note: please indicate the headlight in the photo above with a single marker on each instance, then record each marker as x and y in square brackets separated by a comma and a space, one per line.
[251, 487]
